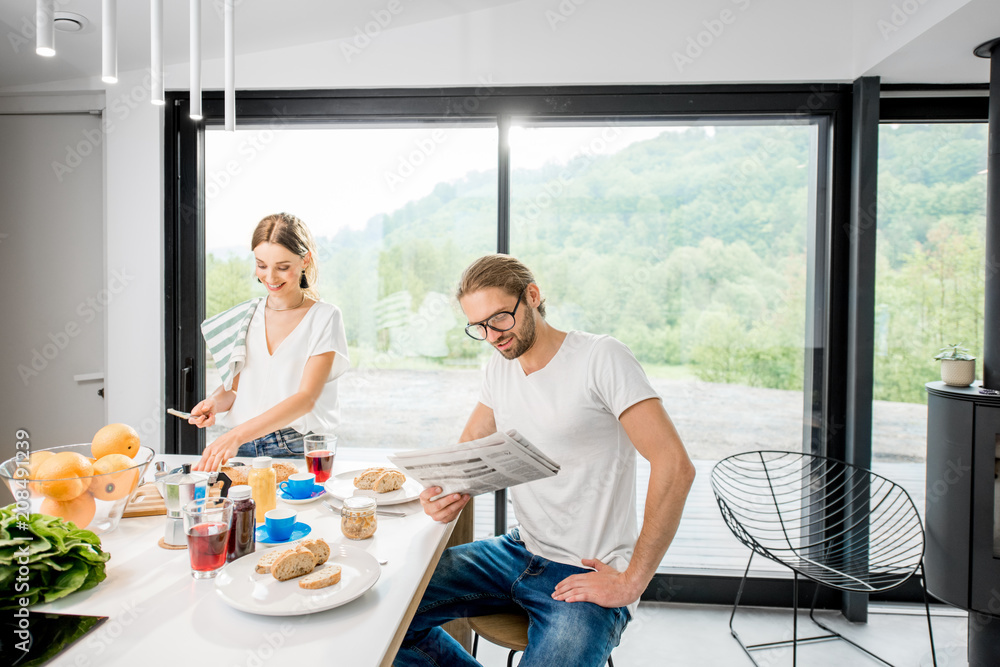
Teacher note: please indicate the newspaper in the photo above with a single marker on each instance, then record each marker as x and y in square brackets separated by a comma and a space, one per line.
[479, 466]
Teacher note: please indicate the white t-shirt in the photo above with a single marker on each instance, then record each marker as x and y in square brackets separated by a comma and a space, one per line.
[569, 409]
[267, 379]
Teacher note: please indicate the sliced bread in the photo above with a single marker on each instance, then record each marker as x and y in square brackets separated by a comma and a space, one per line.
[366, 480]
[321, 578]
[319, 548]
[390, 480]
[293, 563]
[267, 560]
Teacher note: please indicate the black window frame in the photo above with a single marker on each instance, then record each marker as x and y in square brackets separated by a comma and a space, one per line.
[184, 183]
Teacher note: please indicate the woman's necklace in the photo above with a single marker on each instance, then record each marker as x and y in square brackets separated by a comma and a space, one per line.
[278, 310]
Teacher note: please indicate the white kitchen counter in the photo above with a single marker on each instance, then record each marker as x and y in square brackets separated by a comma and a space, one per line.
[160, 615]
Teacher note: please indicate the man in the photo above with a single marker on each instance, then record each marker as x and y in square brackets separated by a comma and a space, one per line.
[575, 563]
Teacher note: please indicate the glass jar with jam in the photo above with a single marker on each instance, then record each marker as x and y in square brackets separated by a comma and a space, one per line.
[242, 538]
[357, 518]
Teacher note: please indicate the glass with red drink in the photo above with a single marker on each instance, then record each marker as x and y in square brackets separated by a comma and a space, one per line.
[206, 523]
[320, 450]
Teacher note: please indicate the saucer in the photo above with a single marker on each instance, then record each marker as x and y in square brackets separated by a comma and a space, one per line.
[299, 530]
[318, 491]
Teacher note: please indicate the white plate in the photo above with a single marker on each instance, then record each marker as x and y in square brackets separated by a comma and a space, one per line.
[239, 585]
[342, 486]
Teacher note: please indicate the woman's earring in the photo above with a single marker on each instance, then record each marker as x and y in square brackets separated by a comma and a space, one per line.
[258, 280]
[303, 283]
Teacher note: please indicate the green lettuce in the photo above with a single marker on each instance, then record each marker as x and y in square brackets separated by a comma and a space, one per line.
[60, 558]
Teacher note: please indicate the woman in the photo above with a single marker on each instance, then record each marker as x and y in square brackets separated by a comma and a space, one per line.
[279, 377]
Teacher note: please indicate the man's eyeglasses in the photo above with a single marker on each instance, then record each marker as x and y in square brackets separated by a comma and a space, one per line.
[502, 321]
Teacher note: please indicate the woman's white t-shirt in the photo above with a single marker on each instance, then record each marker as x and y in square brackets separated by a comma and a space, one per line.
[268, 379]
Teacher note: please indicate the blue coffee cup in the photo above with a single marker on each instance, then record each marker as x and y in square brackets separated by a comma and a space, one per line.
[299, 485]
[280, 523]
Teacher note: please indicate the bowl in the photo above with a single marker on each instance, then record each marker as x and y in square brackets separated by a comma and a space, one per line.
[101, 499]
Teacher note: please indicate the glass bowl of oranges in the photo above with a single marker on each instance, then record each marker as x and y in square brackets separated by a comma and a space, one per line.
[89, 484]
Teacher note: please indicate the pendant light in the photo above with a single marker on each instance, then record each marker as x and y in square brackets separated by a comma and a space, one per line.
[156, 51]
[45, 31]
[195, 57]
[109, 41]
[230, 67]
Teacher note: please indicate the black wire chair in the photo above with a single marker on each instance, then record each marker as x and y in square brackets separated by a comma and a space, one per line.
[831, 522]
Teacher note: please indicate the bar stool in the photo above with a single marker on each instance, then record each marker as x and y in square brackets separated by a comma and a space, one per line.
[507, 630]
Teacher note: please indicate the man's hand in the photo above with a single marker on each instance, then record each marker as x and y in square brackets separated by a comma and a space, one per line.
[220, 451]
[445, 509]
[606, 587]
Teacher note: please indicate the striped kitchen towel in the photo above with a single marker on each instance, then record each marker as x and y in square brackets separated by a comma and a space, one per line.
[226, 337]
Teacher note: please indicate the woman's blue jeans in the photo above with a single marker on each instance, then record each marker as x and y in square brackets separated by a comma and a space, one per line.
[283, 444]
[497, 575]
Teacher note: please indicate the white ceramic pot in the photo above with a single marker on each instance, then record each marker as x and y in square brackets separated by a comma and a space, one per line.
[958, 372]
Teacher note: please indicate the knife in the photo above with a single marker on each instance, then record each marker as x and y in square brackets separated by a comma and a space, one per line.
[336, 510]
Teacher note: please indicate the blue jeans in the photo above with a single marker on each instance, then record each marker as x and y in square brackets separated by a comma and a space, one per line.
[283, 444]
[499, 575]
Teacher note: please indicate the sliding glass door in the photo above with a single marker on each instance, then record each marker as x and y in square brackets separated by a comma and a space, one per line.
[689, 243]
[695, 226]
[929, 281]
[396, 212]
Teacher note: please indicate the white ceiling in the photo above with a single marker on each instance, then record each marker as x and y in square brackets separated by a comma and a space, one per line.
[261, 25]
[778, 40]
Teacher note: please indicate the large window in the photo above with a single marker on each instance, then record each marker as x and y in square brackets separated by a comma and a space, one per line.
[396, 213]
[690, 244]
[695, 226]
[929, 279]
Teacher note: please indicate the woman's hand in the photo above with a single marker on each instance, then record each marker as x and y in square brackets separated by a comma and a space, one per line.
[445, 509]
[220, 451]
[203, 414]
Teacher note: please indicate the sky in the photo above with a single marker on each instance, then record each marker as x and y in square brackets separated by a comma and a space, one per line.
[342, 176]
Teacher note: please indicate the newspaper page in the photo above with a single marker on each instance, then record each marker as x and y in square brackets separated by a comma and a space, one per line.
[479, 466]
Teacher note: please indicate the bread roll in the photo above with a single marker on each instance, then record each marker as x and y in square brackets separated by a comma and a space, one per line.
[319, 548]
[237, 473]
[327, 576]
[390, 480]
[283, 470]
[293, 563]
[366, 480]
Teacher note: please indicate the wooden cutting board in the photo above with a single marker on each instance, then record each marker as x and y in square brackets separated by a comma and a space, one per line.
[148, 501]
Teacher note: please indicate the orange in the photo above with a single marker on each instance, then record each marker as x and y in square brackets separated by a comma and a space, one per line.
[61, 473]
[35, 462]
[109, 484]
[115, 439]
[79, 510]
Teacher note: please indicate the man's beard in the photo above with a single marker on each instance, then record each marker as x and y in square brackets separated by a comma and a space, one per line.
[521, 342]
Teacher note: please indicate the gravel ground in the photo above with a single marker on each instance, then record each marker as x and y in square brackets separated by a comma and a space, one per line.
[401, 409]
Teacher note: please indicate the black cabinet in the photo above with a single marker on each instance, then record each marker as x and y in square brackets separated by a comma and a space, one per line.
[962, 545]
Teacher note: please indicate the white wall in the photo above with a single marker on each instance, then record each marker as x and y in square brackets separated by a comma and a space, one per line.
[134, 181]
[52, 270]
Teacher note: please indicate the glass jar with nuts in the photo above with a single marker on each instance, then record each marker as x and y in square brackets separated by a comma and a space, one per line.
[357, 518]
